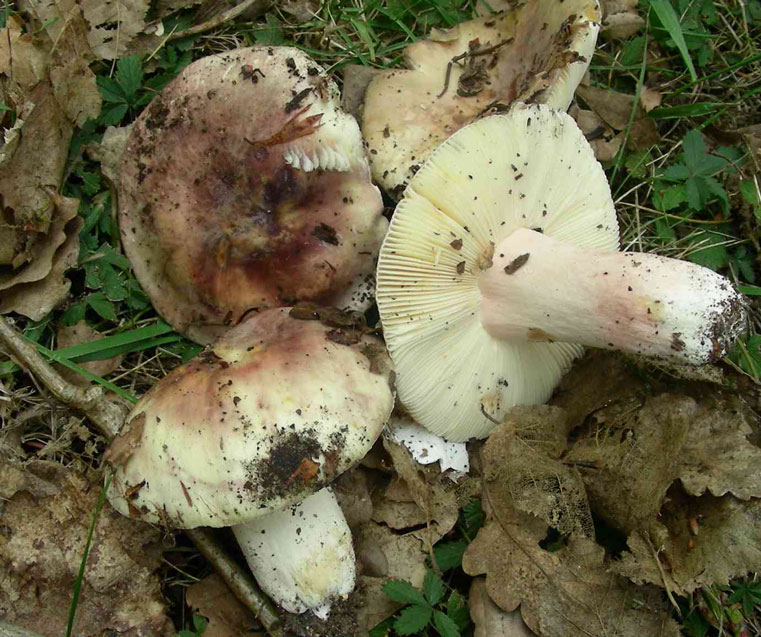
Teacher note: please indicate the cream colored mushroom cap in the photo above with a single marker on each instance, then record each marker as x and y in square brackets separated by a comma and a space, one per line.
[543, 50]
[274, 412]
[530, 168]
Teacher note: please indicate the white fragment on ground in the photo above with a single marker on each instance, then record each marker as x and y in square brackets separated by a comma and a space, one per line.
[427, 447]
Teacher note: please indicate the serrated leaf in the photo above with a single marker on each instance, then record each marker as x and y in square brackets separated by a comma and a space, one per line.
[473, 518]
[129, 75]
[677, 171]
[382, 629]
[413, 619]
[448, 555]
[445, 625]
[111, 256]
[457, 610]
[113, 115]
[433, 588]
[713, 187]
[711, 254]
[74, 314]
[101, 305]
[113, 286]
[670, 198]
[403, 592]
[110, 90]
[749, 192]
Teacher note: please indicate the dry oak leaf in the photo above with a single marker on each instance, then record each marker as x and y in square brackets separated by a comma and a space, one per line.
[46, 521]
[109, 152]
[615, 109]
[602, 138]
[37, 298]
[113, 24]
[717, 456]
[489, 619]
[700, 541]
[227, 616]
[620, 19]
[77, 334]
[522, 468]
[566, 593]
[629, 454]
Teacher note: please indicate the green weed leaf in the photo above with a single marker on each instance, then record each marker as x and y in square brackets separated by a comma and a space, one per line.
[433, 588]
[413, 619]
[403, 592]
[448, 555]
[445, 625]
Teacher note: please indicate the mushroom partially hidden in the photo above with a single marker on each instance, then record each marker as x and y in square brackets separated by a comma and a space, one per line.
[258, 424]
[501, 262]
[538, 52]
[245, 186]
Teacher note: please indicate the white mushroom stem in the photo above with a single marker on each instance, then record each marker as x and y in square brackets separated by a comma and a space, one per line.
[302, 556]
[541, 289]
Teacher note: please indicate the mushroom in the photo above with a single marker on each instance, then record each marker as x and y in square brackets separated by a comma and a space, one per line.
[538, 51]
[244, 186]
[501, 261]
[249, 434]
[427, 447]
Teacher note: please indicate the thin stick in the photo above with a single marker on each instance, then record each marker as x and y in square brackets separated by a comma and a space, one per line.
[237, 580]
[219, 19]
[108, 417]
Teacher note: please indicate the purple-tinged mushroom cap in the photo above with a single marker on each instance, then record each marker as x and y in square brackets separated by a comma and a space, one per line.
[245, 186]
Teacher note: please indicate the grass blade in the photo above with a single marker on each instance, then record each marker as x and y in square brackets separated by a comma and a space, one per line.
[81, 574]
[670, 21]
[95, 350]
[685, 110]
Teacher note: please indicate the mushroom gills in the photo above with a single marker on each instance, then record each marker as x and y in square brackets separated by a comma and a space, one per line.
[302, 556]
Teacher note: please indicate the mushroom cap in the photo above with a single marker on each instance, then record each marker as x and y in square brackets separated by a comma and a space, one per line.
[274, 412]
[529, 168]
[545, 50]
[243, 186]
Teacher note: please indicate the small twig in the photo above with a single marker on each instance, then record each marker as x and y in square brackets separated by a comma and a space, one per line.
[468, 55]
[219, 19]
[237, 580]
[666, 586]
[108, 416]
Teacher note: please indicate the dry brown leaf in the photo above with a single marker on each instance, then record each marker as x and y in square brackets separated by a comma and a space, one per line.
[373, 604]
[717, 456]
[620, 19]
[22, 59]
[36, 299]
[522, 466]
[227, 616]
[615, 109]
[597, 379]
[489, 619]
[650, 99]
[356, 78]
[63, 23]
[77, 334]
[109, 152]
[113, 24]
[629, 454]
[46, 521]
[163, 8]
[351, 491]
[433, 493]
[727, 543]
[752, 138]
[76, 90]
[566, 593]
[39, 248]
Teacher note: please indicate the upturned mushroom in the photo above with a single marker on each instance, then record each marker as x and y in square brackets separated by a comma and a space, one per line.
[244, 186]
[249, 434]
[538, 51]
[501, 262]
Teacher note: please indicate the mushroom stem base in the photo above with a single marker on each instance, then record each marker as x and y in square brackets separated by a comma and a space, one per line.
[302, 556]
[541, 289]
